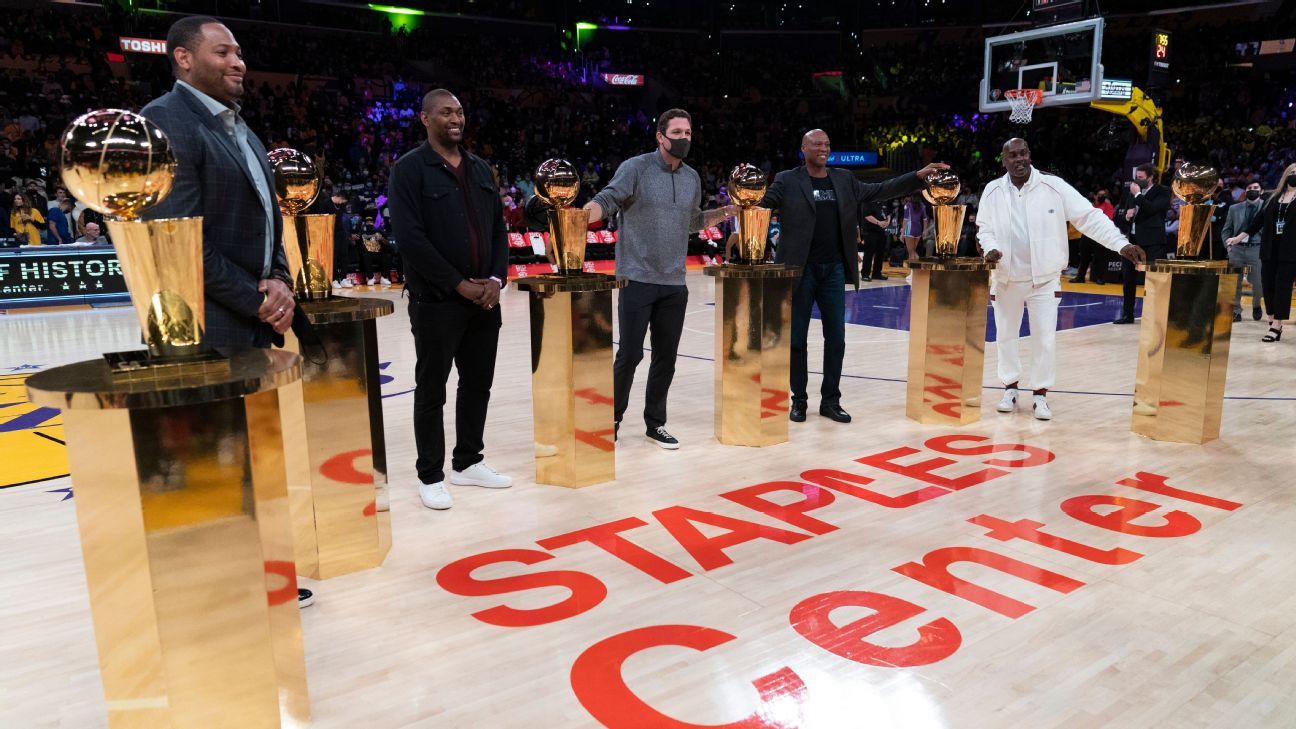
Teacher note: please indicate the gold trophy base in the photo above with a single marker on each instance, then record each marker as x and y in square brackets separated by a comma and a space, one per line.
[333, 435]
[182, 509]
[1183, 350]
[753, 345]
[947, 325]
[571, 377]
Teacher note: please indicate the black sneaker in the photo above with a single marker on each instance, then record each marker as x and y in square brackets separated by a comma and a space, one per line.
[305, 598]
[659, 436]
[1256, 313]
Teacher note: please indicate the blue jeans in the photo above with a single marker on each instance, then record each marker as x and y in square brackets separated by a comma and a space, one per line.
[823, 284]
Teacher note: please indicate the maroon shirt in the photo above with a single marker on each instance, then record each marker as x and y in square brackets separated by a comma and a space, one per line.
[460, 173]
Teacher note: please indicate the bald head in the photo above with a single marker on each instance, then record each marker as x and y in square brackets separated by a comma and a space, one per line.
[815, 148]
[443, 117]
[1017, 160]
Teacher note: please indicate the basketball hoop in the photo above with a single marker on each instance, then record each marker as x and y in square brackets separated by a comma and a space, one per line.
[1023, 103]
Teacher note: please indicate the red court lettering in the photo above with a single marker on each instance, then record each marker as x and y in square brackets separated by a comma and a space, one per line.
[934, 571]
[1034, 456]
[608, 538]
[924, 470]
[598, 685]
[813, 497]
[1030, 531]
[1156, 483]
[937, 639]
[848, 483]
[709, 551]
[1084, 508]
[587, 591]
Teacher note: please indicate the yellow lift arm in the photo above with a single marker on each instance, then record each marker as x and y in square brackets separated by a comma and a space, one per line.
[1145, 115]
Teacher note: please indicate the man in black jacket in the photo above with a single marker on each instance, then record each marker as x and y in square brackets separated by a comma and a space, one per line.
[1146, 211]
[819, 210]
[449, 223]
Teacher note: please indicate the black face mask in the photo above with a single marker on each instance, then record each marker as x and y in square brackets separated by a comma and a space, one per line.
[679, 148]
[1253, 194]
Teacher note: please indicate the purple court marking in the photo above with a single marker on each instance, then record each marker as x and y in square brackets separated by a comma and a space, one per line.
[887, 307]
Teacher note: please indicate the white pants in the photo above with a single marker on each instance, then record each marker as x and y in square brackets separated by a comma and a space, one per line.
[1010, 298]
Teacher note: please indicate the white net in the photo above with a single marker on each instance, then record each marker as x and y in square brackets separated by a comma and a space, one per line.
[1023, 103]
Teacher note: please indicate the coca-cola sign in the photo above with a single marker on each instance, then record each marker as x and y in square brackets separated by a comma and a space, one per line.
[624, 79]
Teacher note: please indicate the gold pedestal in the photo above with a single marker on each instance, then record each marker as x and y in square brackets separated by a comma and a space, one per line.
[571, 377]
[182, 509]
[753, 346]
[1183, 350]
[333, 432]
[947, 324]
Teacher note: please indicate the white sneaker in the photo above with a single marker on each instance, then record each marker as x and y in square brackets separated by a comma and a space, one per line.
[371, 282]
[1009, 402]
[346, 284]
[383, 280]
[435, 495]
[480, 474]
[1042, 411]
[545, 450]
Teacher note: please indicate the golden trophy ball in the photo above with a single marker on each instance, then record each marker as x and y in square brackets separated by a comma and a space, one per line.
[557, 183]
[296, 179]
[1194, 183]
[942, 187]
[747, 188]
[117, 162]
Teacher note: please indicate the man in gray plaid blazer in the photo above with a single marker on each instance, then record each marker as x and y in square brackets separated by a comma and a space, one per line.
[224, 176]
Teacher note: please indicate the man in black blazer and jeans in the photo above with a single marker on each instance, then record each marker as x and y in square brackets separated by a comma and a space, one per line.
[223, 175]
[819, 210]
[448, 220]
[1149, 203]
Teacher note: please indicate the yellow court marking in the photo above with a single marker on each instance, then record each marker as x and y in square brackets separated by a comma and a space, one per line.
[31, 437]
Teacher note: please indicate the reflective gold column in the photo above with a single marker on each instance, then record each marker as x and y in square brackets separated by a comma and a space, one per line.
[571, 377]
[340, 518]
[947, 325]
[753, 351]
[182, 508]
[1183, 350]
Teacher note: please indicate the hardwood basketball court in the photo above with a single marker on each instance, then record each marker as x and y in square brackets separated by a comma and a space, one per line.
[1099, 579]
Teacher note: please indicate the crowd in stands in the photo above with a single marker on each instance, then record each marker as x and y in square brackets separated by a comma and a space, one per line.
[350, 97]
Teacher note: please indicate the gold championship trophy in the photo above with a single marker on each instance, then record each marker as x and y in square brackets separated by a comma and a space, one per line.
[337, 475]
[571, 345]
[947, 319]
[753, 326]
[178, 463]
[1187, 321]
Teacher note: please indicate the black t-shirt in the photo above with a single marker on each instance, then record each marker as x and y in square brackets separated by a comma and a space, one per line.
[825, 245]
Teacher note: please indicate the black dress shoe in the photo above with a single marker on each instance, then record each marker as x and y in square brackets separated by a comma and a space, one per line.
[798, 412]
[1124, 320]
[1237, 316]
[880, 277]
[835, 412]
[1256, 313]
[1078, 279]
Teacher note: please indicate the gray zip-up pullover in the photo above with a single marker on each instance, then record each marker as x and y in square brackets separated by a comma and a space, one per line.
[659, 209]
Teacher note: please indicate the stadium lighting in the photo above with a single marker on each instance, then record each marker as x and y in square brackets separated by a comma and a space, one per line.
[397, 10]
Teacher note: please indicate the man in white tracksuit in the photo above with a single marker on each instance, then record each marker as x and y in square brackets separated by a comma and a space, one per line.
[1022, 223]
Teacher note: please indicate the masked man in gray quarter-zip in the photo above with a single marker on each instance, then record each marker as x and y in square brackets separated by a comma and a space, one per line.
[659, 200]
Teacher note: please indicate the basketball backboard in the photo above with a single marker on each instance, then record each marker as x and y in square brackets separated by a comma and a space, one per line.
[1063, 61]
